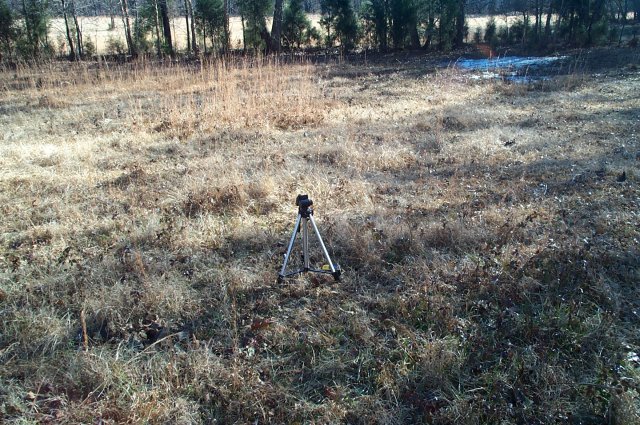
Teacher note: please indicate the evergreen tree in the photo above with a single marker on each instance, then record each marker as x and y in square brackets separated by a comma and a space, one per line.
[490, 32]
[340, 23]
[35, 17]
[448, 12]
[404, 20]
[296, 26]
[146, 21]
[460, 25]
[376, 13]
[211, 19]
[153, 16]
[254, 12]
[7, 28]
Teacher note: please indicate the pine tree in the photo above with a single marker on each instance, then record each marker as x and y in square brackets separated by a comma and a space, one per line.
[35, 14]
[340, 22]
[376, 13]
[254, 13]
[7, 28]
[296, 26]
[211, 17]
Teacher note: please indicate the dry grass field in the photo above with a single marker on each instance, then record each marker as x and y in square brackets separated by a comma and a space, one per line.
[488, 234]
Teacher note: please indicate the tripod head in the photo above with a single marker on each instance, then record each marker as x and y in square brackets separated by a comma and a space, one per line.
[304, 205]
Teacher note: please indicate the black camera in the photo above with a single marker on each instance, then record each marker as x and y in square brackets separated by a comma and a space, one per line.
[304, 206]
[303, 201]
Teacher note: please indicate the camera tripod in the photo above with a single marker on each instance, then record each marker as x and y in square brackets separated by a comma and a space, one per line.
[305, 215]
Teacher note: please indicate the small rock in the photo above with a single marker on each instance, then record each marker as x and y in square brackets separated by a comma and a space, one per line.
[622, 177]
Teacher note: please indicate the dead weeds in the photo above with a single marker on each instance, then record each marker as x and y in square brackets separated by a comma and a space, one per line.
[488, 237]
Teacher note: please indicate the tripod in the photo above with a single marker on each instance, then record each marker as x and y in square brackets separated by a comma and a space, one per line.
[305, 215]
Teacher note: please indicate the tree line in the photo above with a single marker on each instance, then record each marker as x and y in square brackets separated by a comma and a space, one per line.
[345, 24]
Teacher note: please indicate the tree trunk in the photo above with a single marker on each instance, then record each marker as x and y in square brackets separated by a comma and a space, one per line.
[194, 42]
[459, 38]
[547, 25]
[227, 29]
[186, 19]
[413, 31]
[624, 21]
[166, 26]
[276, 27]
[244, 35]
[157, 25]
[112, 21]
[596, 15]
[266, 37]
[204, 36]
[31, 38]
[72, 50]
[124, 8]
[430, 28]
[80, 44]
[537, 25]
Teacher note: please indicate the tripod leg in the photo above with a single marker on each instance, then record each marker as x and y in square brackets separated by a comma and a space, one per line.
[335, 271]
[291, 242]
[305, 243]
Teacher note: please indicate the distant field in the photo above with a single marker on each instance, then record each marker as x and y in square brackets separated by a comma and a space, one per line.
[97, 29]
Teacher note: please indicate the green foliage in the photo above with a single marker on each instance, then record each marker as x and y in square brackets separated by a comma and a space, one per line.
[90, 48]
[8, 32]
[477, 35]
[490, 32]
[446, 11]
[375, 14]
[142, 26]
[35, 17]
[504, 35]
[296, 27]
[519, 32]
[403, 18]
[414, 23]
[428, 17]
[115, 46]
[583, 22]
[149, 21]
[340, 23]
[576, 22]
[254, 12]
[210, 15]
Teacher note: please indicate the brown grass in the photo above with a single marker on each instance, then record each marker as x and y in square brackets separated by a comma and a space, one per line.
[489, 247]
